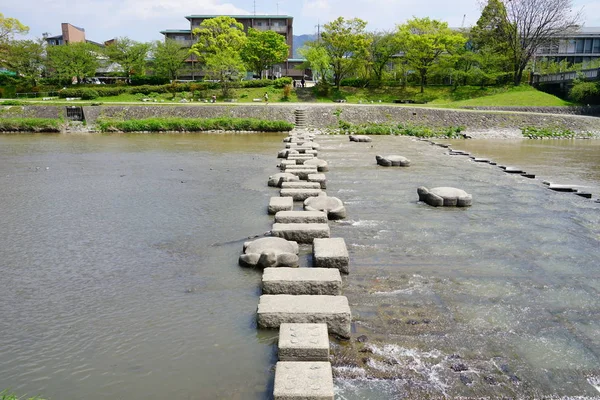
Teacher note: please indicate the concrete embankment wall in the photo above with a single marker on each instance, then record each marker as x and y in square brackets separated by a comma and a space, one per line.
[324, 115]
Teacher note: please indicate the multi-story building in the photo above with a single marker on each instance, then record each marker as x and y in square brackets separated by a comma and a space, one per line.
[580, 46]
[70, 34]
[282, 24]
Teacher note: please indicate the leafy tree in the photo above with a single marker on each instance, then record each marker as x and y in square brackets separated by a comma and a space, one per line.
[78, 60]
[425, 42]
[530, 24]
[220, 41]
[383, 47]
[346, 44]
[26, 58]
[168, 58]
[317, 59]
[129, 54]
[263, 49]
[9, 27]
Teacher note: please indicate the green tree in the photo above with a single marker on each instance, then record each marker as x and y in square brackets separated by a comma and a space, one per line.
[220, 41]
[129, 54]
[383, 47]
[9, 27]
[263, 49]
[78, 60]
[168, 58]
[26, 58]
[346, 44]
[317, 59]
[425, 42]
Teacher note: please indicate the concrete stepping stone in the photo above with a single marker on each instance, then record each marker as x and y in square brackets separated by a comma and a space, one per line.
[300, 194]
[331, 253]
[481, 160]
[444, 196]
[301, 185]
[526, 175]
[292, 167]
[584, 194]
[277, 204]
[319, 178]
[301, 217]
[303, 342]
[360, 138]
[302, 173]
[269, 252]
[321, 165]
[301, 233]
[562, 188]
[276, 309]
[300, 159]
[513, 170]
[333, 206]
[392, 161]
[297, 281]
[459, 153]
[286, 152]
[284, 163]
[277, 179]
[297, 380]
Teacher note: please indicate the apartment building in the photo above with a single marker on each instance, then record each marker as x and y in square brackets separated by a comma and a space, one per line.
[282, 24]
[70, 34]
[581, 46]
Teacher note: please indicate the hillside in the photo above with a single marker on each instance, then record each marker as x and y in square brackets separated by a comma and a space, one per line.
[299, 42]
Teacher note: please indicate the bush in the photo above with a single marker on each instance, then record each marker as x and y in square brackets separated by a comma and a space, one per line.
[84, 93]
[29, 125]
[193, 125]
[11, 103]
[256, 83]
[281, 82]
[539, 133]
[287, 90]
[110, 91]
[355, 82]
[584, 92]
[138, 80]
[401, 129]
[147, 89]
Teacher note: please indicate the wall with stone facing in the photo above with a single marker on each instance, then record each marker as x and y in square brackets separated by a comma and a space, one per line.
[573, 110]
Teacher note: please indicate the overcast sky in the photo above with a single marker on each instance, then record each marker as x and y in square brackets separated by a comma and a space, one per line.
[142, 20]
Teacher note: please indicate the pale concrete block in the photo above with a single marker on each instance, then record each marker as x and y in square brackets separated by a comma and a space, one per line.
[320, 178]
[290, 168]
[277, 204]
[513, 170]
[296, 281]
[303, 342]
[302, 173]
[331, 253]
[284, 163]
[300, 185]
[301, 217]
[301, 233]
[300, 194]
[276, 309]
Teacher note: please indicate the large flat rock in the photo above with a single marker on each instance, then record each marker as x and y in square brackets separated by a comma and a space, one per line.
[331, 253]
[296, 281]
[277, 204]
[297, 380]
[303, 342]
[276, 309]
[301, 217]
[320, 178]
[300, 194]
[301, 185]
[301, 233]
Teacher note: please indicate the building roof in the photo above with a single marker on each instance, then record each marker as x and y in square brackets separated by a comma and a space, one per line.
[248, 16]
[175, 31]
[54, 37]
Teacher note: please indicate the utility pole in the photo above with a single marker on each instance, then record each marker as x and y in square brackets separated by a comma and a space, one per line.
[318, 26]
[277, 8]
[254, 7]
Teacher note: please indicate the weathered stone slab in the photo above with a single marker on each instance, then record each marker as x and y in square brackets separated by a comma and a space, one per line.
[284, 163]
[296, 281]
[276, 309]
[292, 167]
[459, 153]
[584, 194]
[277, 179]
[321, 165]
[481, 160]
[301, 233]
[301, 158]
[303, 342]
[513, 170]
[444, 196]
[302, 173]
[300, 185]
[277, 204]
[360, 138]
[562, 188]
[269, 252]
[297, 380]
[301, 217]
[333, 206]
[300, 194]
[320, 178]
[526, 175]
[331, 253]
[392, 161]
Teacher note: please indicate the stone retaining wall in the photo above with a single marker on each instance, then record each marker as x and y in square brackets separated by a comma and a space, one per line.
[593, 111]
[324, 115]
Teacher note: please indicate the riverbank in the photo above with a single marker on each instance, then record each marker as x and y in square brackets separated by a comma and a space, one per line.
[477, 124]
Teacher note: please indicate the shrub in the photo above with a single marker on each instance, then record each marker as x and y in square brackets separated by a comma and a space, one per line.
[533, 132]
[256, 83]
[281, 82]
[110, 91]
[84, 93]
[401, 129]
[193, 125]
[12, 103]
[147, 89]
[138, 80]
[584, 92]
[287, 90]
[29, 125]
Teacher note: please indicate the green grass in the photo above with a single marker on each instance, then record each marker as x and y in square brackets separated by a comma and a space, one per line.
[192, 125]
[29, 125]
[532, 132]
[6, 395]
[399, 130]
[515, 96]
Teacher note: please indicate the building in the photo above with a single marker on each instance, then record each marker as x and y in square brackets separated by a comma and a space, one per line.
[70, 34]
[282, 24]
[579, 47]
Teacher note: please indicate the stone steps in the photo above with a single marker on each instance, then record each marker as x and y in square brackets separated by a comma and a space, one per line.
[303, 380]
[301, 233]
[303, 342]
[301, 217]
[302, 281]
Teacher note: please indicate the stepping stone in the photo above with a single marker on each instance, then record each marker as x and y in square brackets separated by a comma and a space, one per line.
[513, 170]
[562, 188]
[314, 152]
[459, 153]
[300, 194]
[292, 167]
[277, 204]
[319, 178]
[277, 179]
[276, 309]
[297, 380]
[444, 145]
[526, 175]
[269, 252]
[444, 196]
[360, 138]
[301, 233]
[493, 163]
[482, 160]
[547, 183]
[587, 195]
[392, 161]
[303, 342]
[300, 158]
[321, 165]
[286, 153]
[300, 185]
[284, 163]
[302, 173]
[333, 206]
[331, 253]
[301, 217]
[297, 281]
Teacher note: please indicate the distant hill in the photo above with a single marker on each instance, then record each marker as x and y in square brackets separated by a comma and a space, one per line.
[299, 42]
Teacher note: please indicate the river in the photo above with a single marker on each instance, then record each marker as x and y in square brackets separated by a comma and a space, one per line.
[120, 277]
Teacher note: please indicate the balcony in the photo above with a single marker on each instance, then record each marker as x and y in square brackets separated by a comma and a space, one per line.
[274, 28]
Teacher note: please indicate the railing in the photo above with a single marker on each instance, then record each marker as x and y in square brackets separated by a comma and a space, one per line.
[278, 29]
[567, 76]
[36, 94]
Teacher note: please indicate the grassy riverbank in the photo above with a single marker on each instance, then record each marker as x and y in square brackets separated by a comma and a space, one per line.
[6, 395]
[192, 125]
[30, 125]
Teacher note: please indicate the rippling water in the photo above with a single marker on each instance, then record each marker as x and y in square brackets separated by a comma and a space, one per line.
[120, 278]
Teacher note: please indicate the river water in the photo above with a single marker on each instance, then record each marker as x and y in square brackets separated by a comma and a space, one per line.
[120, 278]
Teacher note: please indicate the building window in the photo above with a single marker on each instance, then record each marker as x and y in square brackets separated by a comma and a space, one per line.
[587, 48]
[596, 46]
[579, 45]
